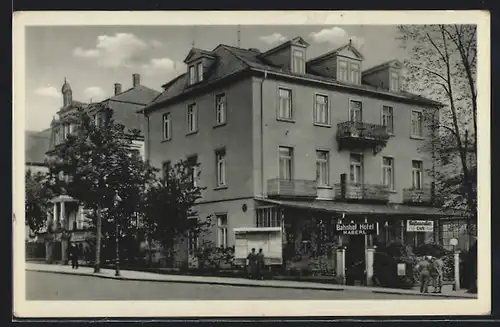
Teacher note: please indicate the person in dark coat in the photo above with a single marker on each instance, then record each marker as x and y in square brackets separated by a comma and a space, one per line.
[74, 253]
[424, 271]
[437, 267]
[260, 264]
[252, 263]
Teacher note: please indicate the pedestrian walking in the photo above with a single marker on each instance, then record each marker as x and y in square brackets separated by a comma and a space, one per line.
[437, 266]
[251, 263]
[260, 264]
[424, 274]
[74, 253]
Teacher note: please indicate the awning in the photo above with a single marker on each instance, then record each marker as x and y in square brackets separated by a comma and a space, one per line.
[365, 209]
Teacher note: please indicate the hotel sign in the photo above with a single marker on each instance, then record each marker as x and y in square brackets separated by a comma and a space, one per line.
[425, 226]
[357, 229]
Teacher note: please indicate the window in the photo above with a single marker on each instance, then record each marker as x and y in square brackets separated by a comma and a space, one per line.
[285, 162]
[268, 217]
[222, 230]
[356, 111]
[220, 158]
[192, 234]
[192, 75]
[192, 120]
[193, 167]
[394, 82]
[355, 74]
[416, 174]
[220, 109]
[356, 169]
[321, 110]
[416, 123]
[388, 172]
[298, 63]
[387, 118]
[167, 127]
[342, 70]
[166, 166]
[322, 168]
[200, 72]
[285, 104]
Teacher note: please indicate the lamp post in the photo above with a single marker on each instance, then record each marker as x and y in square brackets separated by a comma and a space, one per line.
[117, 238]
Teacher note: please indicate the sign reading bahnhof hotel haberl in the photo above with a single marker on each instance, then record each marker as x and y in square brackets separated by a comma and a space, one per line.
[425, 226]
[357, 229]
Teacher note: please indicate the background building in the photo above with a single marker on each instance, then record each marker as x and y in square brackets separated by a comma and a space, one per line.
[68, 220]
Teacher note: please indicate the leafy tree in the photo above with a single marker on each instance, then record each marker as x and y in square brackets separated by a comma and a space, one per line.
[37, 201]
[442, 66]
[169, 209]
[93, 165]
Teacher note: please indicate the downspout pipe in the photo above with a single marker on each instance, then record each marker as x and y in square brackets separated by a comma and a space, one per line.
[262, 134]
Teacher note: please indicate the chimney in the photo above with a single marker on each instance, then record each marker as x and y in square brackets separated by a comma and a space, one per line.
[118, 88]
[136, 79]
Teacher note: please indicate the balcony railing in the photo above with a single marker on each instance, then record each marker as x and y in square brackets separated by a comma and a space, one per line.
[291, 188]
[417, 196]
[362, 192]
[351, 134]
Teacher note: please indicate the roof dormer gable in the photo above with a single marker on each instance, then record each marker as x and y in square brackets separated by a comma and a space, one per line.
[197, 54]
[290, 55]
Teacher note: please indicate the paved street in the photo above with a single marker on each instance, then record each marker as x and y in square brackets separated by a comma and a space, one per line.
[53, 286]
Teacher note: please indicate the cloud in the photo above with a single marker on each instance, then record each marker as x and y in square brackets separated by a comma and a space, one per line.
[161, 66]
[156, 43]
[337, 36]
[273, 38]
[334, 35]
[49, 91]
[95, 93]
[119, 50]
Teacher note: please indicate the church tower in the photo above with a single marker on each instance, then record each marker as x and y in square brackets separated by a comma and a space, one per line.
[67, 93]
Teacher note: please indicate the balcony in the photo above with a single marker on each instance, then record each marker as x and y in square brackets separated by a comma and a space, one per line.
[362, 192]
[352, 134]
[417, 196]
[291, 188]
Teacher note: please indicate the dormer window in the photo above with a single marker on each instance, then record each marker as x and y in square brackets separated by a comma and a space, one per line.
[200, 72]
[195, 73]
[192, 75]
[355, 73]
[298, 62]
[343, 70]
[394, 82]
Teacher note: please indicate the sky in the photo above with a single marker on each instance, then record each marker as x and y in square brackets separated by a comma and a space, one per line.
[93, 58]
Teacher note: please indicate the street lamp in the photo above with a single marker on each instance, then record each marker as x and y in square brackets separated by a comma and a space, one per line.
[117, 239]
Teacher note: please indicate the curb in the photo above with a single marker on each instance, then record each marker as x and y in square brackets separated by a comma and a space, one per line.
[304, 287]
[187, 282]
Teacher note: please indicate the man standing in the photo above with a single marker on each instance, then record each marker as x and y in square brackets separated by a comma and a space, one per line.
[74, 256]
[424, 267]
[260, 264]
[437, 274]
[251, 263]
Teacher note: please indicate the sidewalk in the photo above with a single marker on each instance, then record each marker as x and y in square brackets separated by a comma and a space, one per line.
[228, 281]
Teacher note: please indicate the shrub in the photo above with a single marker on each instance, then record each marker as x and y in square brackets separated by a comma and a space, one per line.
[386, 263]
[431, 249]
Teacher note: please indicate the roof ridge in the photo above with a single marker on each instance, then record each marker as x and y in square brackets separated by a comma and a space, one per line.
[243, 60]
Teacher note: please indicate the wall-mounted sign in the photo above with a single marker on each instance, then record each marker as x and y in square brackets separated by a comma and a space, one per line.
[426, 226]
[401, 269]
[357, 229]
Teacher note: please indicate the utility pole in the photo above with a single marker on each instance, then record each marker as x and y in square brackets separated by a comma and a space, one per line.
[117, 237]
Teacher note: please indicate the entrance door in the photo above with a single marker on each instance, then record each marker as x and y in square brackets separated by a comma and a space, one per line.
[355, 259]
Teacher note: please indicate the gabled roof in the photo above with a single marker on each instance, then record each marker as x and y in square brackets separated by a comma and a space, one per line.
[36, 145]
[298, 41]
[137, 95]
[196, 53]
[335, 52]
[232, 60]
[391, 63]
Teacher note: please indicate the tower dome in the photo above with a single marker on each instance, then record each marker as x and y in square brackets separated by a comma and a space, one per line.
[66, 87]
